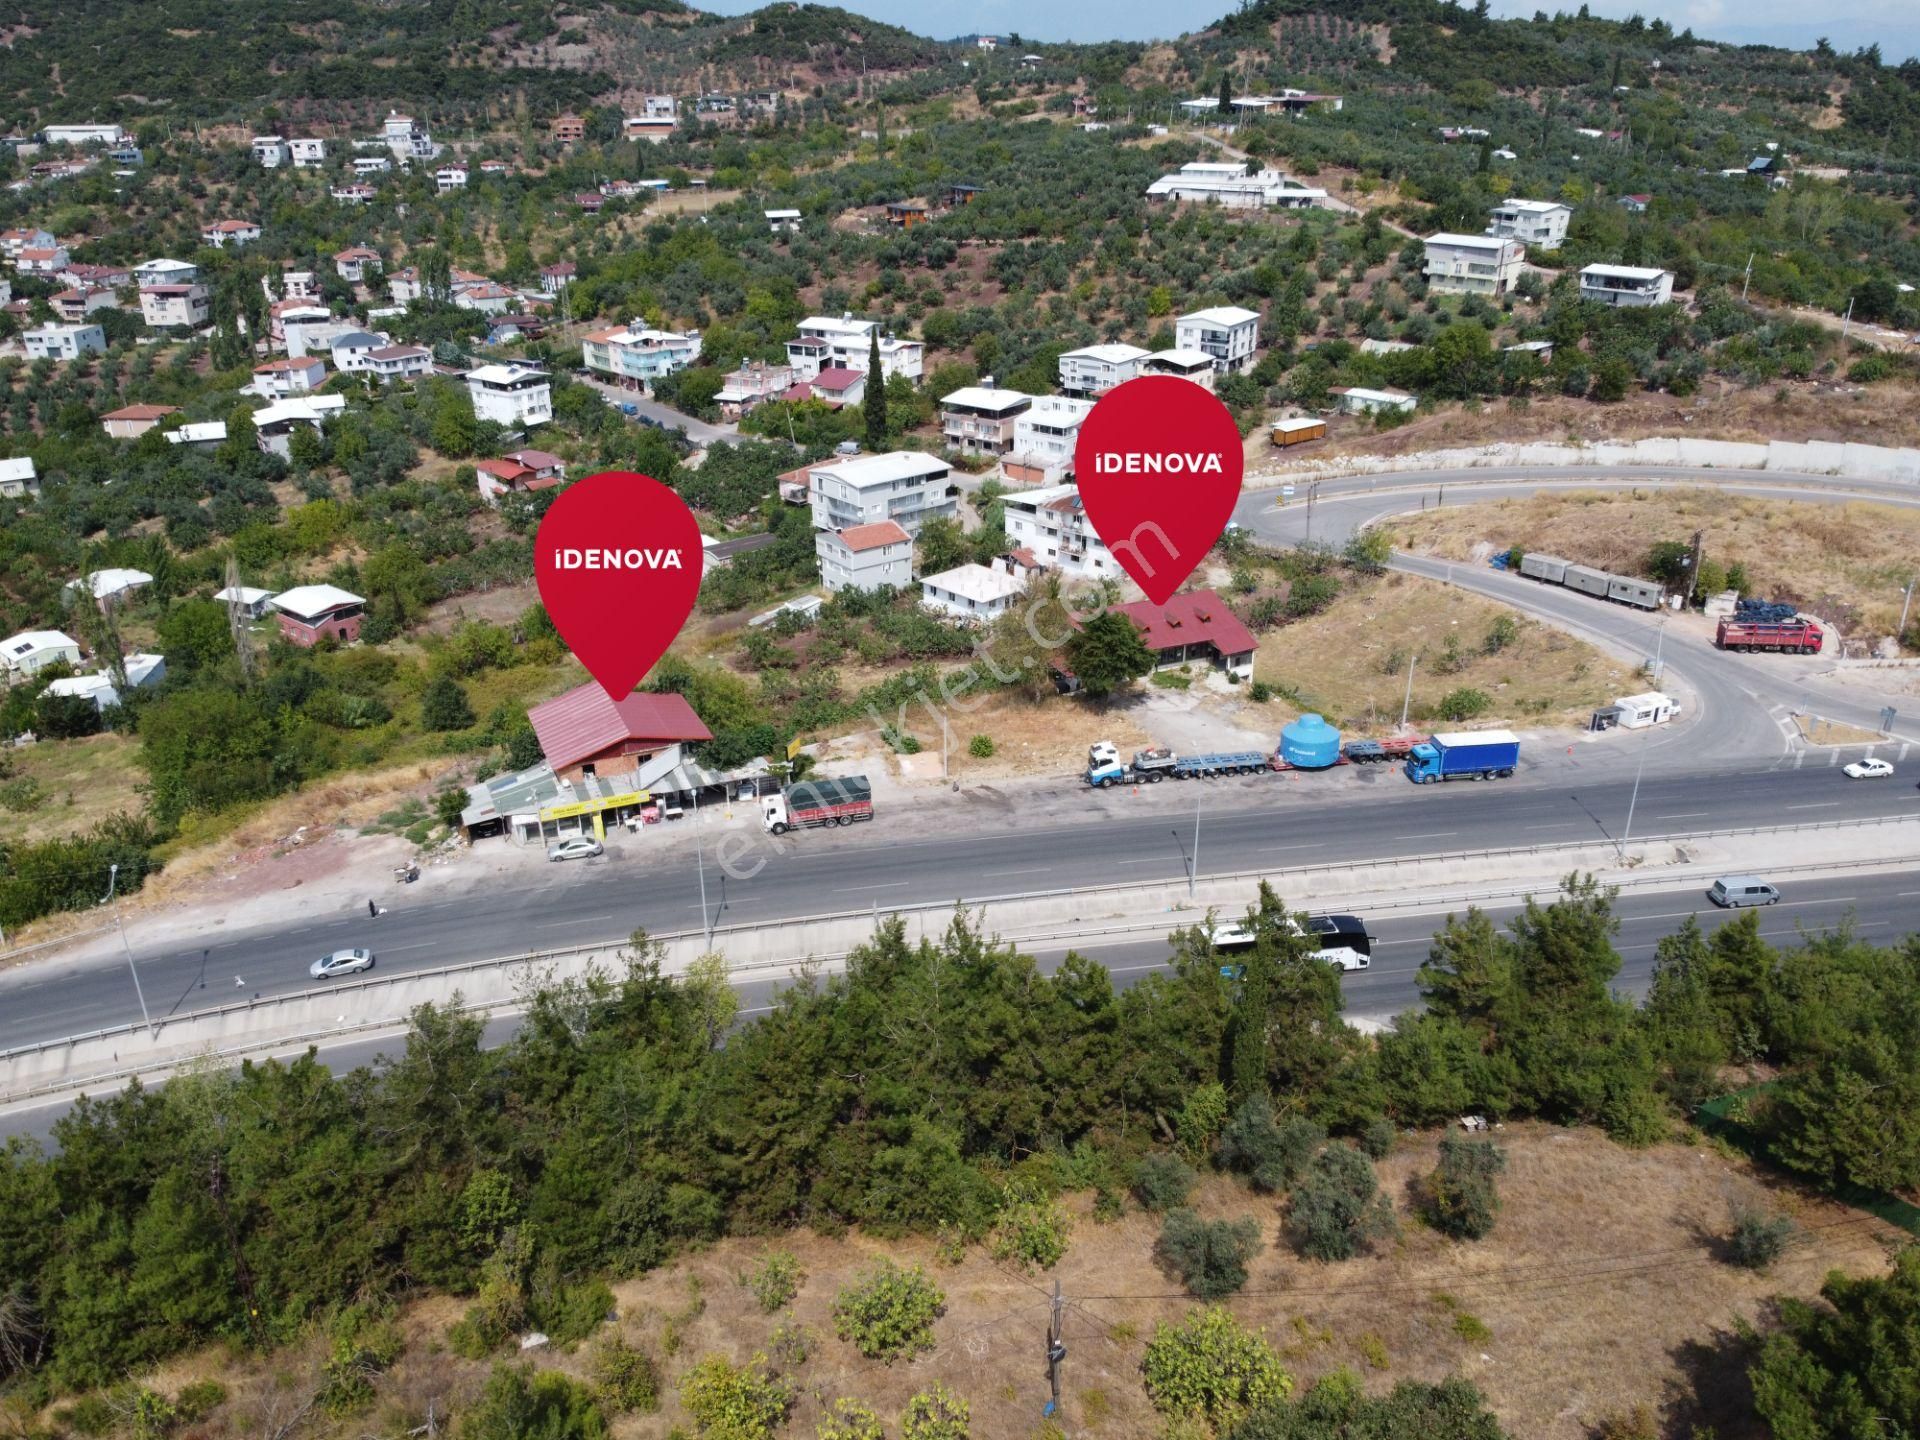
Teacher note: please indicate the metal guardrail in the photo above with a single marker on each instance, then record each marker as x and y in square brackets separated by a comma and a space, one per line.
[537, 957]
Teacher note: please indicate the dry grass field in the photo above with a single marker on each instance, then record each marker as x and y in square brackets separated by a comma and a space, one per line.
[1601, 1289]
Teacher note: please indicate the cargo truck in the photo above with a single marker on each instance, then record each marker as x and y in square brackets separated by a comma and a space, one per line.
[1786, 637]
[1464, 755]
[1149, 767]
[813, 803]
[1373, 752]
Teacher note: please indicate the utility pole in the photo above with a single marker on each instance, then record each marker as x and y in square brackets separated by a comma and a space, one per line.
[1406, 703]
[1632, 800]
[239, 624]
[1313, 490]
[1056, 1350]
[1904, 605]
[1194, 877]
[700, 859]
[1846, 325]
[1693, 565]
[113, 889]
[1746, 282]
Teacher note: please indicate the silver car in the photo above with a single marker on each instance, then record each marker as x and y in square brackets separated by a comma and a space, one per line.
[341, 962]
[580, 847]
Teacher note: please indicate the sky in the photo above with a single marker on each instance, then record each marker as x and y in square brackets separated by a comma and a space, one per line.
[1894, 25]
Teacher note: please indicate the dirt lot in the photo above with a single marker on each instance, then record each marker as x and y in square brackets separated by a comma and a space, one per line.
[79, 783]
[1350, 662]
[1885, 414]
[1599, 1289]
[1844, 562]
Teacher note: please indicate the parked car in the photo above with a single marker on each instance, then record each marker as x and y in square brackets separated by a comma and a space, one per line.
[580, 847]
[341, 962]
[1730, 892]
[1867, 770]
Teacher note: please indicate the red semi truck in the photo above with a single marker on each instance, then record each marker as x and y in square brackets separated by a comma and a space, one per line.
[813, 803]
[1789, 637]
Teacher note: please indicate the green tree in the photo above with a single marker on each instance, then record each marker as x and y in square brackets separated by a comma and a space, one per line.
[443, 705]
[1211, 1369]
[1337, 1407]
[888, 1313]
[936, 1414]
[194, 637]
[1845, 1369]
[1337, 1209]
[1209, 1256]
[1108, 652]
[875, 398]
[1460, 1195]
[735, 1402]
[943, 545]
[519, 1404]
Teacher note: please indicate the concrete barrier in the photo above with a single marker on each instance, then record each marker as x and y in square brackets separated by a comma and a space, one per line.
[504, 985]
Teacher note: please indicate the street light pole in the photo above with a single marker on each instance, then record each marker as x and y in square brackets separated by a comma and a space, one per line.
[700, 859]
[1904, 604]
[1407, 703]
[1632, 800]
[113, 890]
[1194, 875]
[1659, 645]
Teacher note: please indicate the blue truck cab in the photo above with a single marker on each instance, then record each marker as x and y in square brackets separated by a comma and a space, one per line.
[1464, 755]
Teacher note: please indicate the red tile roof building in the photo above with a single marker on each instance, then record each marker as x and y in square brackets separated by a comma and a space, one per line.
[1195, 626]
[584, 732]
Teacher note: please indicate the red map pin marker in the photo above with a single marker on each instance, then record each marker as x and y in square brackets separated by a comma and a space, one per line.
[1159, 464]
[618, 561]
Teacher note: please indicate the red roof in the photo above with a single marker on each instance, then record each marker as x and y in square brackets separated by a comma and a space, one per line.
[537, 459]
[141, 412]
[837, 377]
[1197, 618]
[796, 392]
[505, 470]
[584, 722]
[872, 537]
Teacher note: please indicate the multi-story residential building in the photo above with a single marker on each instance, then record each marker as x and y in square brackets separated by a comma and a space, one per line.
[752, 383]
[824, 341]
[1194, 365]
[398, 362]
[555, 278]
[976, 593]
[165, 272]
[407, 138]
[353, 194]
[1044, 437]
[12, 242]
[41, 260]
[272, 151]
[1051, 526]
[64, 342]
[100, 277]
[865, 557]
[1539, 224]
[1098, 368]
[450, 177]
[73, 306]
[278, 379]
[1228, 334]
[351, 264]
[1228, 183]
[977, 420]
[365, 165]
[635, 356]
[512, 394]
[309, 153]
[1626, 286]
[569, 129]
[350, 351]
[901, 485]
[236, 233]
[657, 120]
[162, 306]
[1473, 264]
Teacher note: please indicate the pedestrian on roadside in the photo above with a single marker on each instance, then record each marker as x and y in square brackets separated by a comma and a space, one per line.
[373, 911]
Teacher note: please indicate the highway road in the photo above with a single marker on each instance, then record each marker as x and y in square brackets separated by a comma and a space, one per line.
[1879, 907]
[1265, 821]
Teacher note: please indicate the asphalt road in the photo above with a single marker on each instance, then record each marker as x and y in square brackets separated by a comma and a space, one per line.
[1247, 823]
[698, 431]
[1879, 907]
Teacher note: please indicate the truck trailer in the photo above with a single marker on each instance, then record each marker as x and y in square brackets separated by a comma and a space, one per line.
[1464, 755]
[1549, 568]
[1786, 637]
[813, 803]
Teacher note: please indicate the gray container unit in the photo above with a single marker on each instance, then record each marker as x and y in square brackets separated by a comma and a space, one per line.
[1588, 581]
[1629, 591]
[1550, 568]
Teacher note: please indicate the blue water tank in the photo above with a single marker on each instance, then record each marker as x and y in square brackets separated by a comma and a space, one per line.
[1310, 743]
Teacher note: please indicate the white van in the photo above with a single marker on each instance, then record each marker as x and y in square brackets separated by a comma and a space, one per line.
[1732, 891]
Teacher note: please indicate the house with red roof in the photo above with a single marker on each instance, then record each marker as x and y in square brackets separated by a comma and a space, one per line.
[865, 557]
[586, 734]
[837, 386]
[1194, 627]
[130, 422]
[524, 472]
[236, 233]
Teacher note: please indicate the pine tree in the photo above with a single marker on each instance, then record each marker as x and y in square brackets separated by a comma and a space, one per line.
[876, 395]
[1226, 94]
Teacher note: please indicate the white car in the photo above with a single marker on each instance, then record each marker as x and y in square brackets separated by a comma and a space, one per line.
[578, 848]
[1867, 770]
[341, 962]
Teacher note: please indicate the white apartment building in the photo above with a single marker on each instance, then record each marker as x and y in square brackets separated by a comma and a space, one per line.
[905, 486]
[309, 153]
[450, 177]
[635, 355]
[865, 557]
[1473, 264]
[1541, 224]
[398, 362]
[277, 379]
[236, 233]
[1044, 437]
[972, 592]
[1228, 334]
[33, 650]
[365, 165]
[511, 394]
[64, 342]
[1626, 286]
[824, 342]
[1194, 365]
[1096, 369]
[1051, 525]
[978, 420]
[407, 138]
[272, 151]
[165, 272]
[167, 305]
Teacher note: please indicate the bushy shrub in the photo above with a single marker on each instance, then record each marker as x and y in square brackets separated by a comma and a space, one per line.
[1273, 1156]
[1211, 1369]
[1031, 1232]
[851, 1420]
[775, 1280]
[1759, 1239]
[936, 1414]
[1337, 1210]
[625, 1379]
[1162, 1182]
[1209, 1256]
[735, 1402]
[1460, 1197]
[981, 747]
[888, 1313]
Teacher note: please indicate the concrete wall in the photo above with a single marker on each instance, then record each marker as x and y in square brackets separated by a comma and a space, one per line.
[1812, 457]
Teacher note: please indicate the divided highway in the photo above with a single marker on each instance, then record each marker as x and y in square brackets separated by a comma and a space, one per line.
[1258, 822]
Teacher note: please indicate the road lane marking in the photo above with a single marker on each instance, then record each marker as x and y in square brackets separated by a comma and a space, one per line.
[1428, 835]
[1149, 860]
[1276, 849]
[582, 920]
[999, 874]
[1822, 805]
[1560, 825]
[889, 885]
[1684, 815]
[423, 945]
